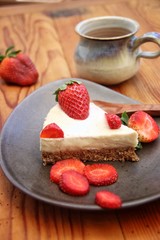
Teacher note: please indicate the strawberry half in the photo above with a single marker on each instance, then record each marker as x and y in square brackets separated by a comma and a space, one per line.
[107, 199]
[74, 183]
[17, 68]
[64, 165]
[74, 99]
[100, 174]
[52, 130]
[113, 120]
[144, 125]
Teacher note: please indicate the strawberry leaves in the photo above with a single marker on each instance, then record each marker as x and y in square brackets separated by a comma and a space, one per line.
[64, 87]
[124, 118]
[9, 53]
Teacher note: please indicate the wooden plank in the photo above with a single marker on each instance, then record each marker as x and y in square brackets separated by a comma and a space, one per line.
[46, 33]
[149, 219]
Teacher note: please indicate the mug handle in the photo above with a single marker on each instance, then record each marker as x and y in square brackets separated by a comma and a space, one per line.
[147, 37]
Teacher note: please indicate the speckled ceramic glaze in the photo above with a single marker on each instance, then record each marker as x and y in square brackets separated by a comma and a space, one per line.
[111, 60]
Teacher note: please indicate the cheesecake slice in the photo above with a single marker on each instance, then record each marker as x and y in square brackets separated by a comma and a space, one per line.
[90, 139]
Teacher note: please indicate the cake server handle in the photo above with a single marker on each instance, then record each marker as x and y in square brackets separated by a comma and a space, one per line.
[119, 108]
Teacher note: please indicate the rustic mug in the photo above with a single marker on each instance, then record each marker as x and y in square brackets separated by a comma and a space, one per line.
[108, 51]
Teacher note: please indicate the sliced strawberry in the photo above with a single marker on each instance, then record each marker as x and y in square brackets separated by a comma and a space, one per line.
[64, 165]
[52, 130]
[145, 125]
[74, 183]
[107, 199]
[113, 120]
[100, 174]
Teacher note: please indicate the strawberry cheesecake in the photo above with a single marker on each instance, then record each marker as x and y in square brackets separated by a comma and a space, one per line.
[77, 128]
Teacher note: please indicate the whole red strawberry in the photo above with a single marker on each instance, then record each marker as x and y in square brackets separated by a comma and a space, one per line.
[74, 99]
[113, 120]
[17, 68]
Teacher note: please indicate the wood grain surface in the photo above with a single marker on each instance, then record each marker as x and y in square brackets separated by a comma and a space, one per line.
[46, 33]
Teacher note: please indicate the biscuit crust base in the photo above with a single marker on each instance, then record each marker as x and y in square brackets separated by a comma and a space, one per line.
[93, 155]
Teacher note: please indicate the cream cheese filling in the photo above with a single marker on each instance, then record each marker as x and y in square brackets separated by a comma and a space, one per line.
[91, 133]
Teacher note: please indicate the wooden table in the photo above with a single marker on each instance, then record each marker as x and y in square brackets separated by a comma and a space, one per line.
[46, 33]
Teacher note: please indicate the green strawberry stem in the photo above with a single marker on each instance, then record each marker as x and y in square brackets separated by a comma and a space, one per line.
[63, 87]
[9, 53]
[139, 146]
[124, 119]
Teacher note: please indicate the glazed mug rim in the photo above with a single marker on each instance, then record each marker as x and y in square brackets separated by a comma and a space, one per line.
[116, 21]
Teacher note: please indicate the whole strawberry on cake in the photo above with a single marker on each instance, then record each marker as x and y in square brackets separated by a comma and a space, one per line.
[77, 128]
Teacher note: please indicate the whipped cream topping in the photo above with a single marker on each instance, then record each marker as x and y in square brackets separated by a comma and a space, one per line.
[92, 132]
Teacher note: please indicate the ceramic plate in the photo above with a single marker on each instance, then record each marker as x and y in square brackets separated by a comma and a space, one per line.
[21, 162]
